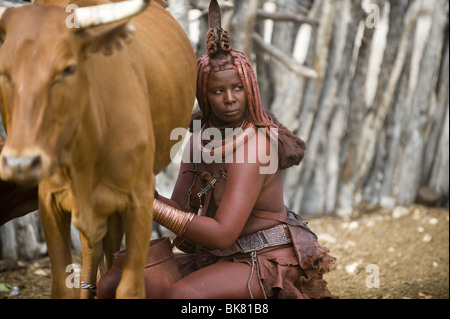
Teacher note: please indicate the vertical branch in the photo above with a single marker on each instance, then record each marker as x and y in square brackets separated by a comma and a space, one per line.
[180, 10]
[409, 179]
[318, 144]
[338, 120]
[438, 179]
[373, 122]
[354, 122]
[242, 25]
[318, 57]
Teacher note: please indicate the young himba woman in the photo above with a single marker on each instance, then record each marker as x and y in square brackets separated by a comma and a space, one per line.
[239, 239]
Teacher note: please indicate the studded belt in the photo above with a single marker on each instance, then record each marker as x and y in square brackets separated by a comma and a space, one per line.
[271, 237]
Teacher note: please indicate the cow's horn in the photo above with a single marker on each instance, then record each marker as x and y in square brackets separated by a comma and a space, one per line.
[106, 13]
[2, 9]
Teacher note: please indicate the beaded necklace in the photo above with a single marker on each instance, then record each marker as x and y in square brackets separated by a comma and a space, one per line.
[226, 146]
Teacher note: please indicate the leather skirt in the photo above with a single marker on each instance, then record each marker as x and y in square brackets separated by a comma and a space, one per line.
[289, 271]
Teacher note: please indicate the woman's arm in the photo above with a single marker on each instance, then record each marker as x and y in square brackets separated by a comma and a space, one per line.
[242, 190]
[243, 186]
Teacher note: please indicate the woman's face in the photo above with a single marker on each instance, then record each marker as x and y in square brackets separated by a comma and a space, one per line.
[226, 96]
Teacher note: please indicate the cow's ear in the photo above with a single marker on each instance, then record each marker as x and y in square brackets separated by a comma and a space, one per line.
[106, 41]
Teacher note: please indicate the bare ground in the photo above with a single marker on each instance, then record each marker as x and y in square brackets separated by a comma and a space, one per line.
[399, 254]
[408, 249]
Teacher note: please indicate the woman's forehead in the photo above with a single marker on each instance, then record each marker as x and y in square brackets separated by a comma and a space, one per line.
[224, 76]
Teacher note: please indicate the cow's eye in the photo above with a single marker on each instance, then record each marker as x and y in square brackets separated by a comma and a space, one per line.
[67, 71]
[4, 75]
[2, 37]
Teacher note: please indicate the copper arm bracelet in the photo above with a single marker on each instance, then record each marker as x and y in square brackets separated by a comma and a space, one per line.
[174, 219]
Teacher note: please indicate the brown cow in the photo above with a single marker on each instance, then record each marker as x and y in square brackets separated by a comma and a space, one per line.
[93, 130]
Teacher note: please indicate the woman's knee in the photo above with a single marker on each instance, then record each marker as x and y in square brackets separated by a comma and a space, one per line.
[221, 280]
[180, 290]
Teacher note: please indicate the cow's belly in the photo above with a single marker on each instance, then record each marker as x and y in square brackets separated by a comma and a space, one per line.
[101, 200]
[107, 200]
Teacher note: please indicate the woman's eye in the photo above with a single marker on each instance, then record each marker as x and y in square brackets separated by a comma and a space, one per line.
[238, 88]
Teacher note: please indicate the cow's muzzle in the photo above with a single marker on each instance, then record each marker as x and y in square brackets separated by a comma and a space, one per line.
[24, 170]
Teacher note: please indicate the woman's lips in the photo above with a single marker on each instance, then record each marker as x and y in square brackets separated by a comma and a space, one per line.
[231, 112]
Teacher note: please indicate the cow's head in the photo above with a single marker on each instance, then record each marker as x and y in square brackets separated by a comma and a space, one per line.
[43, 87]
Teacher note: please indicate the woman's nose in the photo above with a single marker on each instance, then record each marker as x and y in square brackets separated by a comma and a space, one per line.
[229, 97]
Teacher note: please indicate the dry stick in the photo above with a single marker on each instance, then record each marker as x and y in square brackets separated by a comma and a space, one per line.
[286, 17]
[285, 59]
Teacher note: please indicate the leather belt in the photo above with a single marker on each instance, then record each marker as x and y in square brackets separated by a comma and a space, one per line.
[271, 237]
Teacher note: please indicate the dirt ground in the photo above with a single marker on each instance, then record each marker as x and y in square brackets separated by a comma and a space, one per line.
[398, 254]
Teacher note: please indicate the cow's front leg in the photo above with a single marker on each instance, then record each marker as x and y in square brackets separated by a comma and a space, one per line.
[99, 258]
[56, 225]
[90, 260]
[138, 226]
